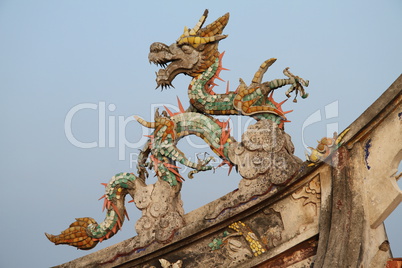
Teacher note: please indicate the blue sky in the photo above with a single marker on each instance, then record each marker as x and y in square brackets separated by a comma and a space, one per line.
[57, 56]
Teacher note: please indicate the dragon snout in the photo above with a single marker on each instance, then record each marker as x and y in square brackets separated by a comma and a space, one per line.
[158, 47]
[159, 54]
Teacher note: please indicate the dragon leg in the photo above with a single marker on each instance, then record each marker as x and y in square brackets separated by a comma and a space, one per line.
[142, 161]
[85, 233]
[247, 98]
[176, 155]
[164, 159]
[256, 99]
[253, 100]
[168, 130]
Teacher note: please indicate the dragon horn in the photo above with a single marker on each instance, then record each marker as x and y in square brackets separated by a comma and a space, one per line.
[216, 27]
[211, 33]
[197, 27]
[186, 32]
[145, 123]
[196, 41]
[199, 24]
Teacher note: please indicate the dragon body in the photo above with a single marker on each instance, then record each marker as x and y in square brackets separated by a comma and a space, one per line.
[170, 129]
[196, 54]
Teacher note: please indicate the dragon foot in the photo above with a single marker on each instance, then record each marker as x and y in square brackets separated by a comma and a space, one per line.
[256, 99]
[202, 162]
[297, 85]
[76, 235]
[202, 165]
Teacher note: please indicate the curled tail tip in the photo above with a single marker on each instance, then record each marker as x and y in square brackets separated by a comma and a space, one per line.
[50, 237]
[55, 239]
[76, 235]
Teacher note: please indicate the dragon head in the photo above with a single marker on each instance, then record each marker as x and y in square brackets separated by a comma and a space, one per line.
[194, 51]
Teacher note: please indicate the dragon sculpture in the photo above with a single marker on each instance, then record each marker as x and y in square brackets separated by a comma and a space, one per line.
[195, 53]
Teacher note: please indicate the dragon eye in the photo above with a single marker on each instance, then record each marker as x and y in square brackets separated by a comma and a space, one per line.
[186, 49]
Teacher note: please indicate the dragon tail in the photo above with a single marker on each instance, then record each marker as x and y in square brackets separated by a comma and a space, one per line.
[75, 235]
[85, 233]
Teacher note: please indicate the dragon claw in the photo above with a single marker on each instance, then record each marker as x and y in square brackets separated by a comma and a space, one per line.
[298, 85]
[198, 154]
[203, 162]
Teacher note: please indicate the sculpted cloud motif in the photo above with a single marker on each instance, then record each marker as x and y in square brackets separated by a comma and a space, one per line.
[266, 152]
